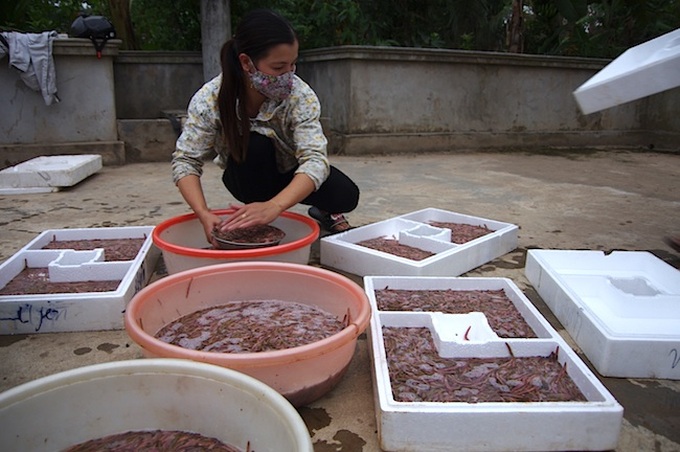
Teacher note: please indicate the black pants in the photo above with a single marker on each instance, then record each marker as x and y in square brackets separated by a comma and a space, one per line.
[258, 179]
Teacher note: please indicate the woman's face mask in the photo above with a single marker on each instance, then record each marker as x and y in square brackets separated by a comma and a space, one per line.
[275, 87]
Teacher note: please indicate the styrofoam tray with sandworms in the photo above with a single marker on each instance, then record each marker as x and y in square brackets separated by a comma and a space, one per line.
[488, 381]
[428, 242]
[77, 279]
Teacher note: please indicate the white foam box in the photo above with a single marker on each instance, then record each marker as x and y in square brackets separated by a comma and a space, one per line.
[341, 251]
[89, 311]
[622, 308]
[48, 173]
[593, 424]
[643, 70]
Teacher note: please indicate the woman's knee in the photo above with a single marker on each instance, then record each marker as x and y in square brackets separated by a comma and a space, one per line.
[337, 194]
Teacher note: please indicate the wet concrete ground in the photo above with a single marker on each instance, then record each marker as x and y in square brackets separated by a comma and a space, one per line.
[597, 200]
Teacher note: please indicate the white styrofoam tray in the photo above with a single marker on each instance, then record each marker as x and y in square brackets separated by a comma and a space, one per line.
[622, 309]
[341, 251]
[48, 173]
[486, 426]
[90, 311]
[643, 70]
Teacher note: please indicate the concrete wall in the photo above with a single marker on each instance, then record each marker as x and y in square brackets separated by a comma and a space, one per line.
[153, 90]
[374, 99]
[662, 115]
[215, 30]
[403, 99]
[83, 122]
[151, 83]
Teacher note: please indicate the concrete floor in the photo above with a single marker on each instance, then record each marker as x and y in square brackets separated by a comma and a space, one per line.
[604, 200]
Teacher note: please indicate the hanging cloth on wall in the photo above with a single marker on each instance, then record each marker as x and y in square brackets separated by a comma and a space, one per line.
[31, 55]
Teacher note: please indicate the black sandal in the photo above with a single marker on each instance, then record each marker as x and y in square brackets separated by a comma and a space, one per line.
[331, 222]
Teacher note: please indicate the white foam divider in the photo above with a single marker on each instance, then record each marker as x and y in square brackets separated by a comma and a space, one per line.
[424, 230]
[432, 245]
[86, 265]
[593, 424]
[461, 329]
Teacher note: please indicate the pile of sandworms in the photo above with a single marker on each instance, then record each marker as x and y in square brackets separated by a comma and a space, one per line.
[154, 440]
[251, 326]
[501, 313]
[418, 374]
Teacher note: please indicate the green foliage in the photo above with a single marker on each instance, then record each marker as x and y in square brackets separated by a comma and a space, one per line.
[35, 16]
[406, 23]
[602, 28]
[596, 28]
[167, 25]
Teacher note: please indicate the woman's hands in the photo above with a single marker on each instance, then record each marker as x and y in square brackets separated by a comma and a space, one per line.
[250, 215]
[210, 221]
[265, 212]
[244, 215]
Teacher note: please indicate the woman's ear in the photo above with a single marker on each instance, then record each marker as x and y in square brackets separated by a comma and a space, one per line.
[246, 63]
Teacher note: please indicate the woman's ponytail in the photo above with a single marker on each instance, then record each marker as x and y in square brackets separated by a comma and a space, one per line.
[232, 112]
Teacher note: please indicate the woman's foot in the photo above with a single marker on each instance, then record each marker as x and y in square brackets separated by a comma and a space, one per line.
[331, 222]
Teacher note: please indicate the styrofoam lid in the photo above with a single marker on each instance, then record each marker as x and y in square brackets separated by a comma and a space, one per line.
[643, 70]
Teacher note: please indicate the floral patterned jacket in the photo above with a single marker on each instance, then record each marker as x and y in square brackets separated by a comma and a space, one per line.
[293, 124]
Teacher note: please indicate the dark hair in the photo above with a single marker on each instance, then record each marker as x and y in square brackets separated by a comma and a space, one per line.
[256, 34]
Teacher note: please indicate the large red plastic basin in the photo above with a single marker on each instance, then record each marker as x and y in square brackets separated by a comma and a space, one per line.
[182, 241]
[301, 374]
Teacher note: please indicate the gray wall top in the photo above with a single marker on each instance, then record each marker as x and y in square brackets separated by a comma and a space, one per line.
[406, 54]
[83, 47]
